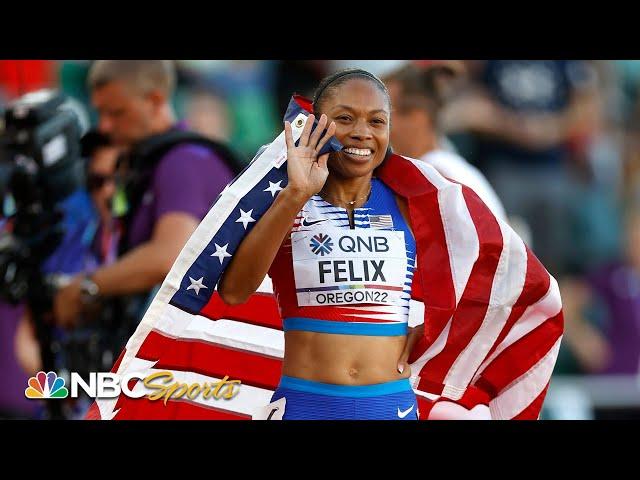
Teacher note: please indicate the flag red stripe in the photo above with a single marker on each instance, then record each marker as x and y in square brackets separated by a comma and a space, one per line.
[406, 180]
[472, 396]
[93, 413]
[212, 360]
[424, 407]
[261, 309]
[474, 301]
[520, 357]
[536, 286]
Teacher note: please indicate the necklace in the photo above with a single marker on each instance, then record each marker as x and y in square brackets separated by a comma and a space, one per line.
[350, 203]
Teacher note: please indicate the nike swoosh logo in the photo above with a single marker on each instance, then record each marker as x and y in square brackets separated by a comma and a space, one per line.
[405, 413]
[306, 223]
[272, 412]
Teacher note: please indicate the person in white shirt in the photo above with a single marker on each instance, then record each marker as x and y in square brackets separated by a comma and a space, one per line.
[416, 98]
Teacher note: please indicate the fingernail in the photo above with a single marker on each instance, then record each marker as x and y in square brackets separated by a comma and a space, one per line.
[400, 368]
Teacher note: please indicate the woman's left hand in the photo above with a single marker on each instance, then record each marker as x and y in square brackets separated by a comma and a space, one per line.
[414, 335]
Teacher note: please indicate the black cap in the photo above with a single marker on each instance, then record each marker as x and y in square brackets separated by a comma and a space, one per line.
[91, 141]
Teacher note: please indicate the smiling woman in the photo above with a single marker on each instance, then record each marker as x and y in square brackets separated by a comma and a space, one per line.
[358, 103]
[359, 243]
[345, 310]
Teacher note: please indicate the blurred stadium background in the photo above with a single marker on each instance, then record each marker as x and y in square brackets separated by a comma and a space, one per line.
[569, 178]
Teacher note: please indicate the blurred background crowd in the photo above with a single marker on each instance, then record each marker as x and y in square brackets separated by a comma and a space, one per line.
[557, 140]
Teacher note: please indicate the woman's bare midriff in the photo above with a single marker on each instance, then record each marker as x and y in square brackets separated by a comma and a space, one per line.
[343, 359]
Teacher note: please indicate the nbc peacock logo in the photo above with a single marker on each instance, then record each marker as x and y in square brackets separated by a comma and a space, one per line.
[46, 385]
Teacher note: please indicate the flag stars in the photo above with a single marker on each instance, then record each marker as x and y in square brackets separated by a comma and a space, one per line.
[273, 188]
[196, 285]
[221, 252]
[245, 218]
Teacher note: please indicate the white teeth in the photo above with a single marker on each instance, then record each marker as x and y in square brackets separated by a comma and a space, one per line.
[357, 151]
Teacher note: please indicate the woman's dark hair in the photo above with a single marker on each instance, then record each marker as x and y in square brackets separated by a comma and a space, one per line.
[329, 84]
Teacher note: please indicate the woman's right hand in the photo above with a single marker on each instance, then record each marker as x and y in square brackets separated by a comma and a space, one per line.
[306, 170]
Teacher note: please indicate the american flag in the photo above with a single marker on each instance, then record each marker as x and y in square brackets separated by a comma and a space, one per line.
[381, 221]
[492, 313]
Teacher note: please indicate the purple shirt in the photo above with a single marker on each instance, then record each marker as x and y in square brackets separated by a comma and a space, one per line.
[618, 286]
[74, 254]
[187, 179]
[14, 380]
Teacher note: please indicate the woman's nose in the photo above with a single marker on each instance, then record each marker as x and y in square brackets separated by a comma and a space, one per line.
[361, 130]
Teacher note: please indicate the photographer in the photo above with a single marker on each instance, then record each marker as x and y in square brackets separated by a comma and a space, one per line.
[101, 184]
[132, 98]
[95, 241]
[46, 229]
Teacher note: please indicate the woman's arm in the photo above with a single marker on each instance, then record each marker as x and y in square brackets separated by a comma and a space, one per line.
[306, 173]
[255, 254]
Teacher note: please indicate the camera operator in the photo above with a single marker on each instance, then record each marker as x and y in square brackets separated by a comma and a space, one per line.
[102, 158]
[68, 255]
[132, 98]
[97, 239]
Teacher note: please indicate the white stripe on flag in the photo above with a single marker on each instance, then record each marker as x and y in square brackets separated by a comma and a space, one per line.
[230, 333]
[107, 405]
[435, 348]
[507, 286]
[266, 286]
[416, 313]
[534, 316]
[524, 390]
[462, 241]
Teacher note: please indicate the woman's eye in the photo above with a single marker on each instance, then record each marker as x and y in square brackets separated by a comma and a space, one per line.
[379, 121]
[344, 117]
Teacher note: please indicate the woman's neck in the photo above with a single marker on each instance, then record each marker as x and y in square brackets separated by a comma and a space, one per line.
[347, 192]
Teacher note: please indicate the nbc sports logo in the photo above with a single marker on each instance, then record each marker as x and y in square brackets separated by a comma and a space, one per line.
[46, 385]
[111, 385]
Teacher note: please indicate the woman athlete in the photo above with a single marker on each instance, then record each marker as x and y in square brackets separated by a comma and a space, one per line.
[343, 274]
